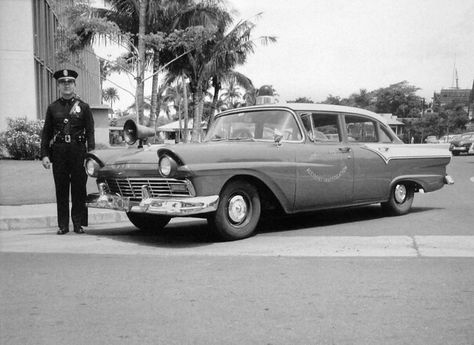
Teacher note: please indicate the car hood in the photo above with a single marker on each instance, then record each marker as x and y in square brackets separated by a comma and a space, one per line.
[223, 152]
[189, 154]
[130, 155]
[461, 142]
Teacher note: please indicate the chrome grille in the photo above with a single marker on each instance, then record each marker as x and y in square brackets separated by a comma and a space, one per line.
[132, 187]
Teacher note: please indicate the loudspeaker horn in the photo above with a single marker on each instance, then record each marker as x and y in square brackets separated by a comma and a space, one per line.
[133, 132]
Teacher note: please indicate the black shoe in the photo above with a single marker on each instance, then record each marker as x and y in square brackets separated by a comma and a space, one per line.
[62, 231]
[79, 230]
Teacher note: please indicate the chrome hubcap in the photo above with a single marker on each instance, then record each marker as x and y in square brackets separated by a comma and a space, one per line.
[237, 209]
[400, 193]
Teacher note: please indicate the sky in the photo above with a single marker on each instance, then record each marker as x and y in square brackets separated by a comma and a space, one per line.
[337, 47]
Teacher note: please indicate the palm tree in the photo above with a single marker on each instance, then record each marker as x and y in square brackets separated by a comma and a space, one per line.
[250, 96]
[230, 76]
[231, 94]
[164, 19]
[217, 58]
[156, 19]
[110, 94]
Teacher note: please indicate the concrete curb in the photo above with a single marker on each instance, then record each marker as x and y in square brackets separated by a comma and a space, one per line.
[25, 221]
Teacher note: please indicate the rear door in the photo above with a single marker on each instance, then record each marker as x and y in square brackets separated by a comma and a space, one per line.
[371, 172]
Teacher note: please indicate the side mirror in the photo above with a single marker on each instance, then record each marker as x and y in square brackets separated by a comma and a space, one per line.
[277, 137]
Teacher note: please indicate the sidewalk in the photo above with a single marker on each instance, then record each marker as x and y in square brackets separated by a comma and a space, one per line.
[44, 216]
[27, 198]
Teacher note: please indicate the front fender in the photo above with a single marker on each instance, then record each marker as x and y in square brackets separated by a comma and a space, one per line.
[212, 182]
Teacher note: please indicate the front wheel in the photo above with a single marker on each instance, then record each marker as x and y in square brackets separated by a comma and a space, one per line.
[401, 199]
[148, 222]
[238, 212]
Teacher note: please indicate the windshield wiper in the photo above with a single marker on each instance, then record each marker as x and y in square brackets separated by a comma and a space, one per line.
[241, 138]
[217, 138]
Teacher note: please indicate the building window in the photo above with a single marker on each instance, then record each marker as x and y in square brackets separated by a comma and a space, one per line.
[44, 26]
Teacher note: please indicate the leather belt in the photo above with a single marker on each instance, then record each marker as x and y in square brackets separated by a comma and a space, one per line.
[67, 139]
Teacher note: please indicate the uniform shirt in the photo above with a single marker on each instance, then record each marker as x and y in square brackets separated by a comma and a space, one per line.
[81, 122]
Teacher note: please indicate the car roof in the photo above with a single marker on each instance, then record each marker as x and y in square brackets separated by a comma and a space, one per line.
[311, 107]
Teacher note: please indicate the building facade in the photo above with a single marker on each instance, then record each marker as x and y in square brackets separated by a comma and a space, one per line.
[454, 95]
[27, 60]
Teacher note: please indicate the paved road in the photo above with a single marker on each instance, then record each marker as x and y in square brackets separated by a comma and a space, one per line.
[341, 277]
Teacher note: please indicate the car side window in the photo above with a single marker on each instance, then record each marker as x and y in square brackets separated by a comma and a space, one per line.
[321, 127]
[325, 127]
[360, 129]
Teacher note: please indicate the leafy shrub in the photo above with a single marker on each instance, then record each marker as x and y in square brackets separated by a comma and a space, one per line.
[22, 139]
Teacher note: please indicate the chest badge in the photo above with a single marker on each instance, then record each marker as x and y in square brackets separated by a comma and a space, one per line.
[77, 109]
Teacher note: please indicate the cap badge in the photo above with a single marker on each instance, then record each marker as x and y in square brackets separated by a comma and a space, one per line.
[65, 72]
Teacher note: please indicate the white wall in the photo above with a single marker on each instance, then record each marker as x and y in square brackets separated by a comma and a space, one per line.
[17, 83]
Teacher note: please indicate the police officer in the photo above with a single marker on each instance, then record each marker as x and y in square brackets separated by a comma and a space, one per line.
[68, 133]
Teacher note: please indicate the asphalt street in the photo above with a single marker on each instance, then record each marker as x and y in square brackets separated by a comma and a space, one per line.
[337, 277]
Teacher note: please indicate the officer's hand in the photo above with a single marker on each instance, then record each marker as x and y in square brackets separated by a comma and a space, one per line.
[46, 162]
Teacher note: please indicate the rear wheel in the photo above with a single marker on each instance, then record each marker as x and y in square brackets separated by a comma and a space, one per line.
[148, 222]
[401, 199]
[238, 212]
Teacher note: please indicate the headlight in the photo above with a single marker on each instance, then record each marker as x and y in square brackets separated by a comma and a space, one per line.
[167, 166]
[92, 167]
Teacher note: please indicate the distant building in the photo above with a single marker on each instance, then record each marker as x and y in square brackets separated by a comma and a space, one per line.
[27, 60]
[393, 122]
[454, 95]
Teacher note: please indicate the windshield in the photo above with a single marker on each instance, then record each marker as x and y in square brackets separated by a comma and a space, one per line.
[255, 125]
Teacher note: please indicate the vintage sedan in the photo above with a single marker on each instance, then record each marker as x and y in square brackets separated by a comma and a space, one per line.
[463, 144]
[285, 158]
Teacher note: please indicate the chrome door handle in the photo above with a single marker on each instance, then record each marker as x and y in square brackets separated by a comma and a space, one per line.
[344, 149]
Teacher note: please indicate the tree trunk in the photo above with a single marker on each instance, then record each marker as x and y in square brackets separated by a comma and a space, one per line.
[180, 116]
[185, 105]
[141, 60]
[154, 111]
[197, 99]
[217, 87]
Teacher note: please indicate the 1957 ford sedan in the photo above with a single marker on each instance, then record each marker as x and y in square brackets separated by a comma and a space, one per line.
[284, 157]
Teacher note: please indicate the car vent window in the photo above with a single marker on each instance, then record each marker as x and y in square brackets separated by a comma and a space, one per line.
[384, 135]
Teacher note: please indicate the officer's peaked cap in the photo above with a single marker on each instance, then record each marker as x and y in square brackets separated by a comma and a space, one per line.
[64, 74]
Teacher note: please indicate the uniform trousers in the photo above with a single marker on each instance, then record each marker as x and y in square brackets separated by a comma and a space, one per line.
[69, 174]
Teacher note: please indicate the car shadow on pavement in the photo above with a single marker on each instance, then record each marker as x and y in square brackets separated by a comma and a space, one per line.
[325, 218]
[195, 232]
[183, 234]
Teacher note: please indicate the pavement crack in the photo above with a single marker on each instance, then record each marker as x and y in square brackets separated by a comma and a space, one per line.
[415, 246]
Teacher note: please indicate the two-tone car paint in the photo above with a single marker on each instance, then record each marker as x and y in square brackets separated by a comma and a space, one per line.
[299, 174]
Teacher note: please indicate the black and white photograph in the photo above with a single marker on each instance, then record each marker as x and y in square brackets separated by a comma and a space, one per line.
[236, 172]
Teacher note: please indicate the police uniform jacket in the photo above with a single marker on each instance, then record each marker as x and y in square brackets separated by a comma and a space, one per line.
[60, 121]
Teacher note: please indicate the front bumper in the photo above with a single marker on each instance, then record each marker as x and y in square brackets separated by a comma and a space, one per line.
[462, 148]
[459, 149]
[169, 206]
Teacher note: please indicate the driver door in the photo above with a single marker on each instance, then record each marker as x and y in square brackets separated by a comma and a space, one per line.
[325, 168]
